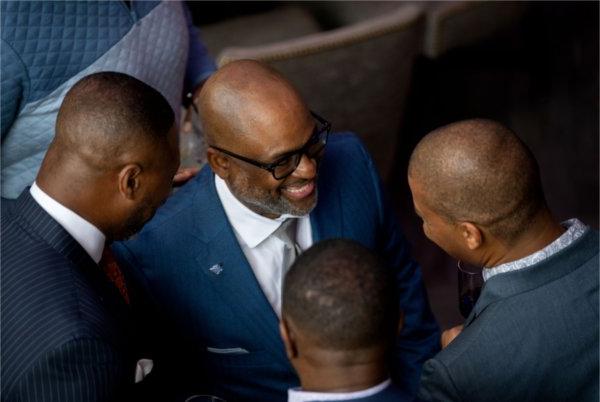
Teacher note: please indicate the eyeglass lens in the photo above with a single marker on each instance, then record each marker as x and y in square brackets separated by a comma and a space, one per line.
[312, 150]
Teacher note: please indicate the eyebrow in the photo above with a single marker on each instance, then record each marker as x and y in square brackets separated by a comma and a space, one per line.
[283, 154]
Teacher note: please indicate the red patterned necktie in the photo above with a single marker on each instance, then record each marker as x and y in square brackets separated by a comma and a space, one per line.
[111, 268]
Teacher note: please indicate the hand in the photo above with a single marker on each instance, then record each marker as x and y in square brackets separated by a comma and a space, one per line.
[183, 175]
[449, 335]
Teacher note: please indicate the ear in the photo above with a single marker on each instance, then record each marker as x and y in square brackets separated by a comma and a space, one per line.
[129, 181]
[218, 162]
[471, 234]
[288, 340]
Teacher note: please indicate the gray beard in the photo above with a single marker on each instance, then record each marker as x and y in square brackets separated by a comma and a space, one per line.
[263, 203]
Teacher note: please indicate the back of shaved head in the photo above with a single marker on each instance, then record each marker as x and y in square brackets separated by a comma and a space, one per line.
[242, 95]
[479, 171]
[341, 296]
[105, 117]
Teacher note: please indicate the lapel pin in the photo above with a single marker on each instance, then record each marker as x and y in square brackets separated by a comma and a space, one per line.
[216, 269]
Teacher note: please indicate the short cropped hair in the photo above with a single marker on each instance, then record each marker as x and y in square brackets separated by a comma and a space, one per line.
[108, 112]
[479, 171]
[342, 295]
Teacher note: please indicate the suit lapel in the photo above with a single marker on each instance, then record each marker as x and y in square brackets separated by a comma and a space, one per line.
[51, 232]
[224, 263]
[508, 284]
[326, 218]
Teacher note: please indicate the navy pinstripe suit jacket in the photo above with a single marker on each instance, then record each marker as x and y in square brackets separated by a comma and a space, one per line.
[64, 326]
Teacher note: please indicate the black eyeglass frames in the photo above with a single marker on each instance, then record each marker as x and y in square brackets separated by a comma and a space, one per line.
[285, 166]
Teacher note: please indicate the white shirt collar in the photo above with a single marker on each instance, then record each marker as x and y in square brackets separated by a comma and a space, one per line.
[297, 395]
[87, 235]
[251, 227]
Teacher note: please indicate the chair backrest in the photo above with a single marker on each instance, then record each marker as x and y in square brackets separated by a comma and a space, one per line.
[356, 76]
[461, 23]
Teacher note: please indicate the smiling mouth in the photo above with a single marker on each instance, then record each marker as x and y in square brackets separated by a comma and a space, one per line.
[299, 192]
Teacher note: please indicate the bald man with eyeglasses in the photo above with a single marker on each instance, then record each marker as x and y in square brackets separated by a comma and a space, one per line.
[213, 260]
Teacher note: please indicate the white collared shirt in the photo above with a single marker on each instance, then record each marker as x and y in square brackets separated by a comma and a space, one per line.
[87, 235]
[263, 251]
[297, 395]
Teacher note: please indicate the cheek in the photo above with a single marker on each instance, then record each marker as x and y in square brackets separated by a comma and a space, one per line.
[263, 181]
[433, 234]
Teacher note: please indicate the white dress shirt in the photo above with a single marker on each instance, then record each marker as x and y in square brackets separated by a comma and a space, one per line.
[297, 395]
[263, 251]
[87, 235]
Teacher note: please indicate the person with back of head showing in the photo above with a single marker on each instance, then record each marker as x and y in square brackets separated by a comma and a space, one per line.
[214, 257]
[66, 329]
[533, 333]
[339, 318]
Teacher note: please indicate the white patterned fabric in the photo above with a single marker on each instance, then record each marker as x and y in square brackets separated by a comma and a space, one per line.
[575, 229]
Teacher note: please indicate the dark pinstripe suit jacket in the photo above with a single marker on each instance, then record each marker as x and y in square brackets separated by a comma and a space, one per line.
[65, 329]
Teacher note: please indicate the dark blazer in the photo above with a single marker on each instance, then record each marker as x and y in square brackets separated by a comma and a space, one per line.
[390, 394]
[64, 326]
[532, 336]
[224, 321]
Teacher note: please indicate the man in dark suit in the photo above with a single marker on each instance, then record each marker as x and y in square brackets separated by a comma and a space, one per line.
[339, 319]
[66, 331]
[533, 333]
[214, 257]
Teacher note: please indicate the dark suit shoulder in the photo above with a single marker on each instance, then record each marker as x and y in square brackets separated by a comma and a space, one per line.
[520, 343]
[347, 147]
[46, 302]
[190, 203]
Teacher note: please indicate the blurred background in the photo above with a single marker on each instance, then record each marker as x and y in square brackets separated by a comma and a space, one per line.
[393, 71]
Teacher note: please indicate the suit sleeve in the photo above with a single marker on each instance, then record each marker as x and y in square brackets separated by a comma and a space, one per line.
[80, 370]
[420, 336]
[437, 384]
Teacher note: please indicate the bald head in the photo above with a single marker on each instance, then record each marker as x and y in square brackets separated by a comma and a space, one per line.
[105, 118]
[246, 97]
[478, 171]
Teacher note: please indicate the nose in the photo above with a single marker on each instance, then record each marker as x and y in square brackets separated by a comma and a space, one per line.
[306, 169]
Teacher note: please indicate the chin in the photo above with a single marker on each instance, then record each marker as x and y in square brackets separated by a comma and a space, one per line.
[303, 207]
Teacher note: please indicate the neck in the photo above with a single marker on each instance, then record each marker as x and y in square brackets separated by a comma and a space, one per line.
[543, 230]
[77, 201]
[328, 378]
